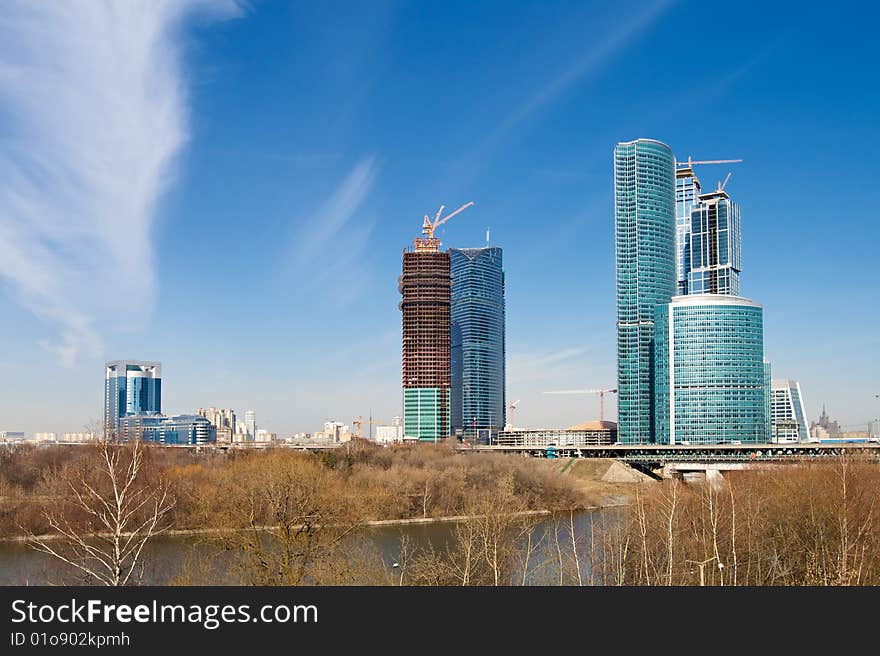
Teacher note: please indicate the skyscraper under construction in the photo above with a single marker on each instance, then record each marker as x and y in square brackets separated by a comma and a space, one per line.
[425, 285]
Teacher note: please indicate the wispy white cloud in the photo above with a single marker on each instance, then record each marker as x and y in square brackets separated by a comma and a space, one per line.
[590, 61]
[326, 249]
[92, 114]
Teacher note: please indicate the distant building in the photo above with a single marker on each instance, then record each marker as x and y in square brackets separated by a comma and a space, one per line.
[250, 423]
[593, 433]
[223, 420]
[173, 430]
[788, 416]
[825, 427]
[874, 429]
[45, 437]
[645, 263]
[390, 434]
[262, 436]
[477, 340]
[11, 436]
[131, 387]
[79, 437]
[710, 371]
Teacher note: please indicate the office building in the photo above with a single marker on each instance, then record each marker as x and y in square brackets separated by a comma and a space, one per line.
[477, 340]
[687, 192]
[161, 429]
[715, 245]
[425, 287]
[788, 416]
[709, 363]
[645, 258]
[131, 387]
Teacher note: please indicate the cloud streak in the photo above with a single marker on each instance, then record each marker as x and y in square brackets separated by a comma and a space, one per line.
[326, 249]
[92, 115]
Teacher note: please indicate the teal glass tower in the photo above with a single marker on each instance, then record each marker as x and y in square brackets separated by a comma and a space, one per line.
[645, 259]
[477, 340]
[710, 371]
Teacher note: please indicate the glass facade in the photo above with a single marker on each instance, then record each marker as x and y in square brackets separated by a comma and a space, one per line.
[687, 192]
[423, 413]
[477, 340]
[715, 246]
[710, 371]
[645, 262]
[131, 387]
[788, 416]
[177, 429]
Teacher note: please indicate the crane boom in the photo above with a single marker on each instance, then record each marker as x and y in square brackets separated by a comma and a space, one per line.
[691, 162]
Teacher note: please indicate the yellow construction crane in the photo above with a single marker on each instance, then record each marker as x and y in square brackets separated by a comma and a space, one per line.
[429, 242]
[600, 392]
[359, 422]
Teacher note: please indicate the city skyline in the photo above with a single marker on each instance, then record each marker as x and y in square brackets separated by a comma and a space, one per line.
[298, 184]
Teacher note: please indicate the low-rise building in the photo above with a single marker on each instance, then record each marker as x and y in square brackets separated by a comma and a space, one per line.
[591, 433]
[11, 436]
[176, 429]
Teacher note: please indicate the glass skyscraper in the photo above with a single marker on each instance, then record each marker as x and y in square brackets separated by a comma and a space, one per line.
[477, 339]
[715, 260]
[131, 387]
[710, 371]
[687, 192]
[645, 254]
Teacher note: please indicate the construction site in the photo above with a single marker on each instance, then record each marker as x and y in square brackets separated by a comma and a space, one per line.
[425, 286]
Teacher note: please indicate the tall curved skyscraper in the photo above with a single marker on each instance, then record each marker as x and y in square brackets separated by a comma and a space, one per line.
[645, 254]
[477, 339]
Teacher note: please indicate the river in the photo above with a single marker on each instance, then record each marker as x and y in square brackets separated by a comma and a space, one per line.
[167, 557]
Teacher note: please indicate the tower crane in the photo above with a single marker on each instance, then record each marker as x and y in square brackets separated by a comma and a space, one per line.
[359, 422]
[600, 392]
[690, 163]
[429, 242]
[512, 408]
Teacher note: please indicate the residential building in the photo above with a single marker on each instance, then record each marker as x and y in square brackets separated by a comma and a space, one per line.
[788, 416]
[715, 260]
[645, 260]
[131, 387]
[709, 360]
[162, 429]
[425, 288]
[11, 436]
[223, 420]
[477, 340]
[45, 437]
[874, 429]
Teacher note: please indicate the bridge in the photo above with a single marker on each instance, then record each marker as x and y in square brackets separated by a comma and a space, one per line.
[659, 455]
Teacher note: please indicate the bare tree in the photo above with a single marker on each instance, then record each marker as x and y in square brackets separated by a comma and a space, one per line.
[109, 514]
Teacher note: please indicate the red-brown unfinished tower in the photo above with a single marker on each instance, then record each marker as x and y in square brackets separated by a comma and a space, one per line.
[425, 286]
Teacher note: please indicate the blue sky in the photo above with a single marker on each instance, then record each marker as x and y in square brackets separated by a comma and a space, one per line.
[227, 188]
